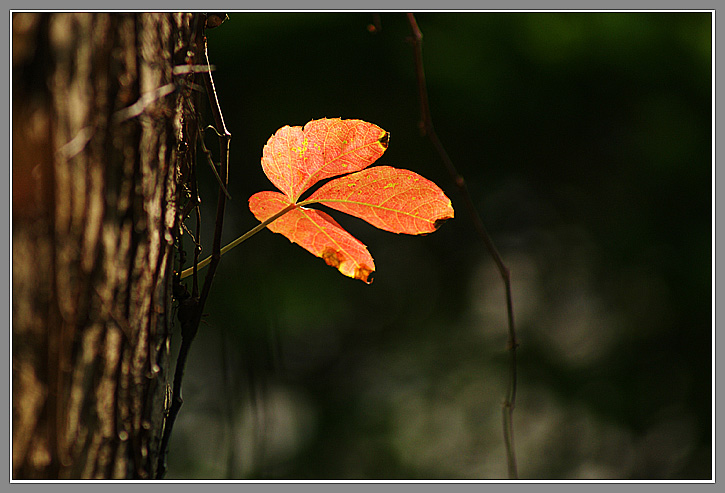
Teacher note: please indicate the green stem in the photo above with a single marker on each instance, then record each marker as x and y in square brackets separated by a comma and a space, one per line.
[259, 227]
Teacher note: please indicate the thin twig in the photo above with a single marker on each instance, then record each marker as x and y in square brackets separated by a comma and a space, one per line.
[143, 102]
[224, 138]
[85, 134]
[209, 160]
[197, 248]
[426, 126]
[187, 69]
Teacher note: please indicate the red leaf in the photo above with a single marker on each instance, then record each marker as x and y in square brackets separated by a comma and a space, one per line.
[316, 232]
[392, 199]
[294, 158]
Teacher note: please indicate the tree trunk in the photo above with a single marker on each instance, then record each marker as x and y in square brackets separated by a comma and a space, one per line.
[97, 128]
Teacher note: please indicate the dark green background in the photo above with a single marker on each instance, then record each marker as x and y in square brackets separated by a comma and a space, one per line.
[585, 140]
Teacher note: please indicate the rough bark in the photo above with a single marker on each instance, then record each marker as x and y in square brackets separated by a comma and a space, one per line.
[97, 133]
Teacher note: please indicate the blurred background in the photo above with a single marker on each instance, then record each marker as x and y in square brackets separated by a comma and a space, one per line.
[585, 141]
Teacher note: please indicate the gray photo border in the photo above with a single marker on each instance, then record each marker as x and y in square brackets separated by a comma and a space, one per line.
[375, 5]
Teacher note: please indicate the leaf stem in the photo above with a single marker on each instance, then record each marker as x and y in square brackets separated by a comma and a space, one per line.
[259, 227]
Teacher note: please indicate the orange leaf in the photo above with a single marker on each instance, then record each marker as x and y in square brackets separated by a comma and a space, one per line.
[316, 232]
[392, 199]
[294, 158]
[396, 200]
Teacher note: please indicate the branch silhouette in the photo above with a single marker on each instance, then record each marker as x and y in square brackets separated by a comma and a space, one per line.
[191, 305]
[427, 129]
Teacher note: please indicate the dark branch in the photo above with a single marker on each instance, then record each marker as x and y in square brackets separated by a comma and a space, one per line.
[192, 306]
[426, 126]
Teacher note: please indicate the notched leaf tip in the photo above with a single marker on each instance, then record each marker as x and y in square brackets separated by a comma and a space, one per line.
[439, 222]
[384, 140]
[364, 273]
